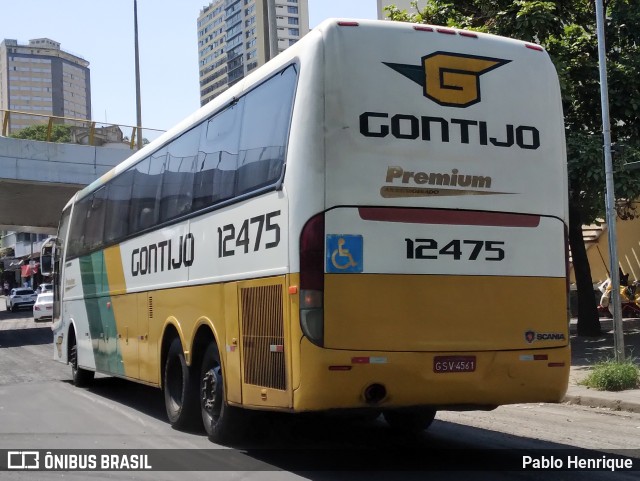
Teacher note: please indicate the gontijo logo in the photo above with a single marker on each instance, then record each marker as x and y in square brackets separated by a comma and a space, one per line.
[450, 79]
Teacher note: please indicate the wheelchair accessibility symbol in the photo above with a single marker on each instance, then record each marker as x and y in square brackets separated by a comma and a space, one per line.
[344, 253]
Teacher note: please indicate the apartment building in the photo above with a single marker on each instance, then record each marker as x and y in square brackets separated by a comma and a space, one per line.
[236, 36]
[41, 78]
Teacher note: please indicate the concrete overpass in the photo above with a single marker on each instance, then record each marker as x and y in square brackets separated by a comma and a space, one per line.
[38, 178]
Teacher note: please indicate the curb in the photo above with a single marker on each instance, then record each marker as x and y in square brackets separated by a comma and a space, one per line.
[606, 324]
[598, 402]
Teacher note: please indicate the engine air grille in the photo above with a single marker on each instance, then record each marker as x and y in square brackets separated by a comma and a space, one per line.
[263, 336]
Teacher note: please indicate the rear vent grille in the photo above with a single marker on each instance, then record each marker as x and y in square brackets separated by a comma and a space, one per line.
[150, 303]
[263, 336]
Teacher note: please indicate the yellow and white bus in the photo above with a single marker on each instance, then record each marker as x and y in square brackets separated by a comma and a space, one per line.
[374, 220]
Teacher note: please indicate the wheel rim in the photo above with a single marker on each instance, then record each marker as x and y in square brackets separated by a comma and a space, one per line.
[210, 392]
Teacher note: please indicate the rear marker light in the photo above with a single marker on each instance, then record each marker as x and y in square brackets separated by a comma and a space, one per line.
[423, 29]
[555, 364]
[339, 368]
[368, 360]
[535, 357]
[468, 34]
[348, 24]
[293, 289]
[533, 46]
[448, 31]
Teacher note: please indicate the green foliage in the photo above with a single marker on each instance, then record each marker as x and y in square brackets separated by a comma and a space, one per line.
[59, 133]
[567, 29]
[611, 375]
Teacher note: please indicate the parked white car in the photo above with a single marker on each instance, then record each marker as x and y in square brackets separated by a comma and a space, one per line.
[20, 297]
[43, 308]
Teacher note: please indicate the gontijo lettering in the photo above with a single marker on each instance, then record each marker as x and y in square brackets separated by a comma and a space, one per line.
[466, 131]
[160, 256]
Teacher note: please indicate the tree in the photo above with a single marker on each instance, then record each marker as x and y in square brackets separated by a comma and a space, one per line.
[567, 29]
[59, 133]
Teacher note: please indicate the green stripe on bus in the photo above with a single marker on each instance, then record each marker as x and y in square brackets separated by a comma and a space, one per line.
[102, 323]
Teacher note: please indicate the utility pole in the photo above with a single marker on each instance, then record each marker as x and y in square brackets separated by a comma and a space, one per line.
[618, 334]
[138, 104]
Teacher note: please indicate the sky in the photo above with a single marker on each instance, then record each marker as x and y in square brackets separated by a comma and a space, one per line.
[102, 33]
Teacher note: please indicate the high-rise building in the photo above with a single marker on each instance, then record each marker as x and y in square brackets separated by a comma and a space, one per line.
[43, 79]
[401, 4]
[236, 36]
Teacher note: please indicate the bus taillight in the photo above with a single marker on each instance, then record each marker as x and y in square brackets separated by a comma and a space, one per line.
[312, 279]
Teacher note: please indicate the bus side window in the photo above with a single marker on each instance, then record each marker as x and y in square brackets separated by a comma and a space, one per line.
[94, 226]
[215, 179]
[177, 178]
[117, 216]
[147, 182]
[265, 126]
[77, 228]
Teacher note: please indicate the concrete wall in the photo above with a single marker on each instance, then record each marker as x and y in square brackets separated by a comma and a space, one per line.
[38, 178]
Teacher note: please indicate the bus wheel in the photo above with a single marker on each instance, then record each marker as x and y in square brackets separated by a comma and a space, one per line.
[222, 422]
[81, 377]
[180, 389]
[412, 420]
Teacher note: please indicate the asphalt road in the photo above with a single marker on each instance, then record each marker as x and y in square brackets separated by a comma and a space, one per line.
[41, 409]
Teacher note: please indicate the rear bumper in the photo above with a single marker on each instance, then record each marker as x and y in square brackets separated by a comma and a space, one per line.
[501, 377]
[23, 304]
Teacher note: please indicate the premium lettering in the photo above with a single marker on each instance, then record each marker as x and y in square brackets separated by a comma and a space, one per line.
[453, 178]
[464, 131]
[165, 255]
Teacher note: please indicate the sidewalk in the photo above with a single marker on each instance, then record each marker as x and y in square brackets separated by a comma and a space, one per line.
[586, 351]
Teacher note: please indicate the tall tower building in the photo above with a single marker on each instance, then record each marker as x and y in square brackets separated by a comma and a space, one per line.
[43, 79]
[236, 36]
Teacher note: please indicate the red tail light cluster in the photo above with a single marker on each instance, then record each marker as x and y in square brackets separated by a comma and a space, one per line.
[312, 279]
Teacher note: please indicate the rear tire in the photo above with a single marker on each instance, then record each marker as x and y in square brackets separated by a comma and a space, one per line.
[81, 377]
[180, 389]
[223, 423]
[410, 420]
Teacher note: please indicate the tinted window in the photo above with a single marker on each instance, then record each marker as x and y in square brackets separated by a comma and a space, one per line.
[94, 225]
[117, 216]
[62, 234]
[265, 127]
[238, 150]
[147, 182]
[218, 157]
[177, 179]
[76, 230]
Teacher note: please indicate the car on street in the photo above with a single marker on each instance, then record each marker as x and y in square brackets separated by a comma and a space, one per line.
[20, 297]
[43, 308]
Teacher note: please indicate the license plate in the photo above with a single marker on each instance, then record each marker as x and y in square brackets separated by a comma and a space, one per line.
[443, 364]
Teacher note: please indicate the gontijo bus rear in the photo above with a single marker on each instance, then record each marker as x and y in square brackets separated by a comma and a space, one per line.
[405, 254]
